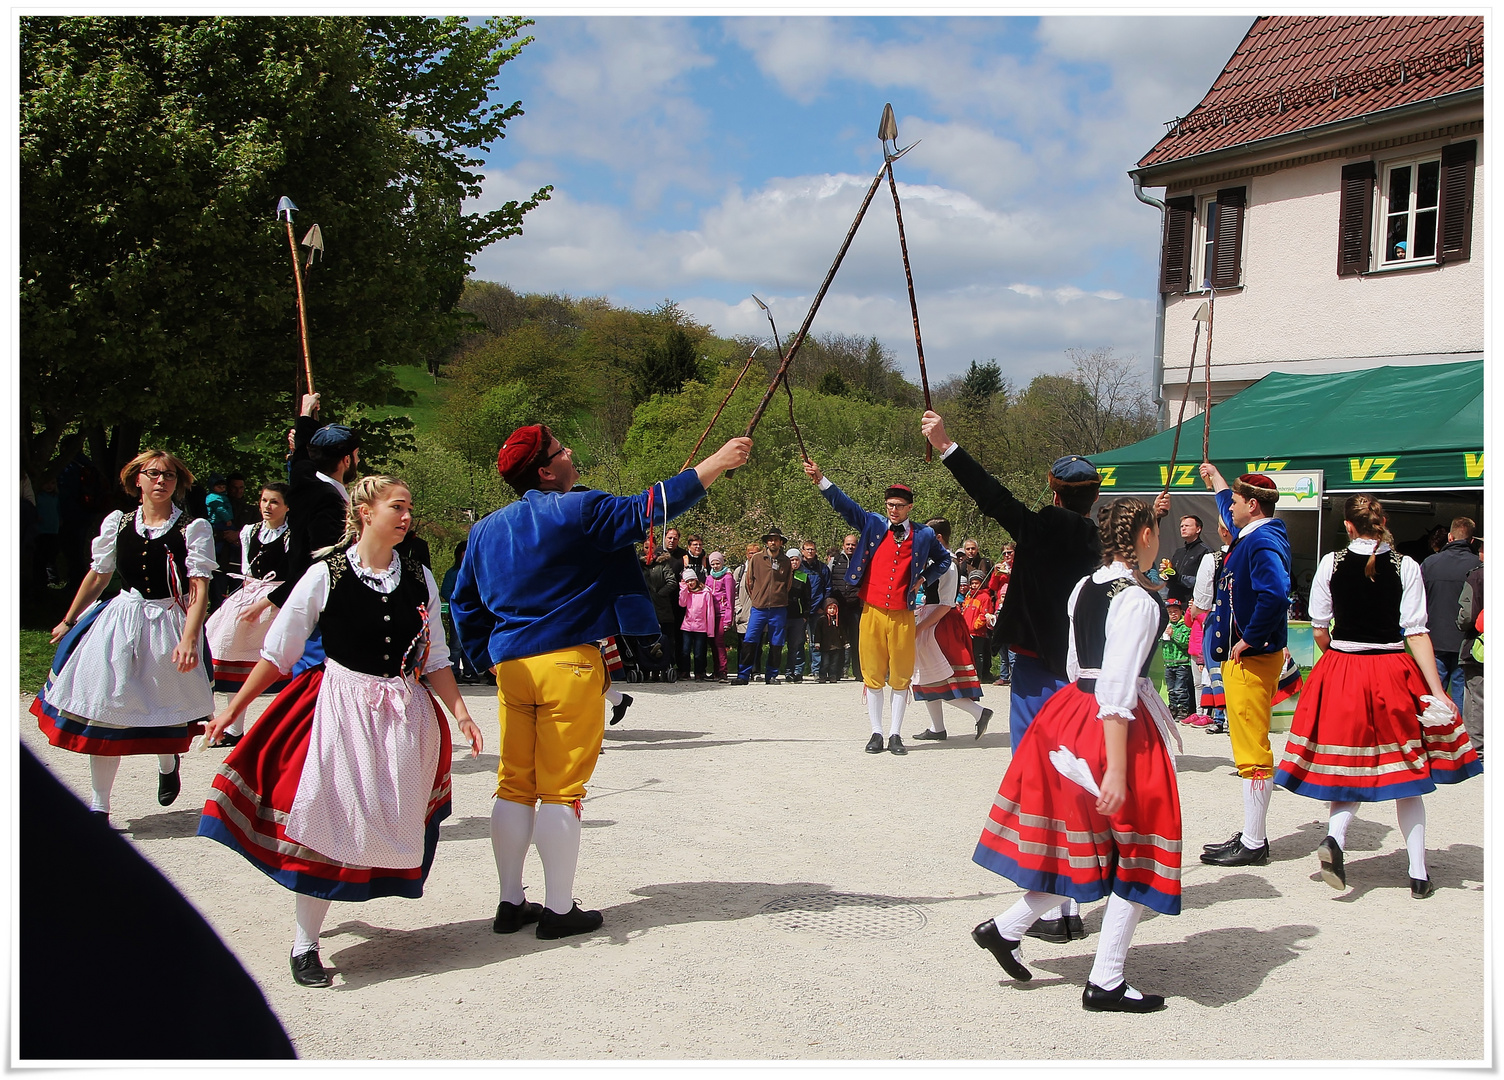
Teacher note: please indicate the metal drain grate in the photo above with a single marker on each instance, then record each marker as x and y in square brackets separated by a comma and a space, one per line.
[845, 915]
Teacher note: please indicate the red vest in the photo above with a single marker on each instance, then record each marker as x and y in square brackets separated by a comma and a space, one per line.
[886, 583]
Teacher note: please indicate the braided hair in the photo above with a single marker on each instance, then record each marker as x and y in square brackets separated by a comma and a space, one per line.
[364, 492]
[1366, 515]
[1118, 524]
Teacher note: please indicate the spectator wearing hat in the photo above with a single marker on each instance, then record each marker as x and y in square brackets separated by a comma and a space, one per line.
[544, 579]
[768, 577]
[800, 611]
[1249, 628]
[894, 558]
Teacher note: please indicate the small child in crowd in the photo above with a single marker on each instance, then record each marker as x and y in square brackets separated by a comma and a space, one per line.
[1176, 650]
[699, 624]
[829, 639]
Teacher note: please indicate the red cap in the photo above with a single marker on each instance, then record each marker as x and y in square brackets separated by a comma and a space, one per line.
[520, 448]
[1258, 479]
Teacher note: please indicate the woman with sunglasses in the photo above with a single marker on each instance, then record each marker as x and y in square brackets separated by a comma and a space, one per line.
[338, 790]
[129, 674]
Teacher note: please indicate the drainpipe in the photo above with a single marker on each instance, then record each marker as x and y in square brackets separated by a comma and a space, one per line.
[1158, 376]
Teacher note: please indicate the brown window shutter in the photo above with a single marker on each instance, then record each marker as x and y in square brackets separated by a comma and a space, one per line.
[1455, 243]
[1227, 246]
[1355, 218]
[1175, 251]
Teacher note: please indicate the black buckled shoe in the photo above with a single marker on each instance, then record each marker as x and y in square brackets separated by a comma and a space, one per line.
[1241, 855]
[875, 744]
[169, 784]
[1095, 999]
[1002, 950]
[982, 722]
[1057, 931]
[1331, 863]
[620, 708]
[895, 746]
[930, 736]
[511, 918]
[1420, 888]
[1224, 845]
[307, 971]
[573, 921]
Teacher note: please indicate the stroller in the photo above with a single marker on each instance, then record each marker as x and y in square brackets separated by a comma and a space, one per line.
[647, 659]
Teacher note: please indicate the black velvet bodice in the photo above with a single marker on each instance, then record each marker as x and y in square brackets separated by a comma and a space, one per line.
[1089, 621]
[1364, 610]
[269, 558]
[143, 563]
[372, 632]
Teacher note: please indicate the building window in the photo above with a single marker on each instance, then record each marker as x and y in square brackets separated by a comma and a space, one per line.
[1206, 249]
[1411, 194]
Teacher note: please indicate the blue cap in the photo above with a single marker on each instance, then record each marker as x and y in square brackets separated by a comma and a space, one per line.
[1073, 469]
[334, 437]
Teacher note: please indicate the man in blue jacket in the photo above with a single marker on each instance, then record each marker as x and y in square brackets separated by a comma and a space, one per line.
[1248, 628]
[543, 580]
[893, 557]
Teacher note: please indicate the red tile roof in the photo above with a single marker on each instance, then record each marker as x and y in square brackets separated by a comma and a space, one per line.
[1297, 71]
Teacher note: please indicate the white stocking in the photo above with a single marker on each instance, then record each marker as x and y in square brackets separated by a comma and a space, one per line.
[971, 708]
[1012, 923]
[900, 703]
[1342, 816]
[557, 834]
[309, 912]
[1067, 907]
[511, 833]
[1255, 815]
[613, 695]
[1412, 815]
[937, 722]
[166, 763]
[102, 772]
[1118, 924]
[875, 709]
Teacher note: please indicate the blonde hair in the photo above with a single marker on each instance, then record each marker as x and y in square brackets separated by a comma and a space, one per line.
[364, 492]
[133, 467]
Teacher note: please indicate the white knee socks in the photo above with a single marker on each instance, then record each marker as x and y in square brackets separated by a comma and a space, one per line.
[166, 763]
[900, 703]
[102, 772]
[937, 722]
[613, 696]
[875, 709]
[971, 708]
[1118, 924]
[1255, 816]
[511, 835]
[309, 912]
[1412, 815]
[557, 834]
[1012, 923]
[1342, 816]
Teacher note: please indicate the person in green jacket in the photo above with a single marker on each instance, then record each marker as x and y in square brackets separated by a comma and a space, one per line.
[1175, 648]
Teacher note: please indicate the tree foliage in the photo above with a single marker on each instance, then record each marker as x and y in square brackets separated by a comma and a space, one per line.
[156, 292]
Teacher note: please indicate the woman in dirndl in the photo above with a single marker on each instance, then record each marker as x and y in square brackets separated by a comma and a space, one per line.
[238, 629]
[1373, 723]
[1089, 806]
[944, 669]
[338, 790]
[129, 675]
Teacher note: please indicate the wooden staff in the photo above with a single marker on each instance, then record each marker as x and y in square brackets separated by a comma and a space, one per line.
[1190, 373]
[908, 275]
[286, 205]
[1206, 424]
[745, 367]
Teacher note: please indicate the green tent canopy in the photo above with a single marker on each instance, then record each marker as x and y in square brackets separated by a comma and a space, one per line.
[1381, 429]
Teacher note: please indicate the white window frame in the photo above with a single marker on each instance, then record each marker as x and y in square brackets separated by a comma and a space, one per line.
[1206, 236]
[1382, 213]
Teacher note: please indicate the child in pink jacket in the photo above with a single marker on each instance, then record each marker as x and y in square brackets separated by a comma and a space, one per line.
[700, 621]
[721, 584]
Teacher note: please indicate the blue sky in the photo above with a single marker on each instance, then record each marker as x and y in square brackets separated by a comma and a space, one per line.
[703, 159]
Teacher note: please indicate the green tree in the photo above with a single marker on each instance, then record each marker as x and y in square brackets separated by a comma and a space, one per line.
[980, 383]
[156, 295]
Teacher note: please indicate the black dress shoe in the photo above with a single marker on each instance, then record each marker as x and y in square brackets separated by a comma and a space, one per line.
[307, 971]
[169, 784]
[1242, 855]
[875, 744]
[1331, 863]
[1077, 928]
[1095, 999]
[1055, 930]
[225, 741]
[620, 708]
[1421, 888]
[104, 819]
[895, 746]
[982, 722]
[511, 918]
[573, 921]
[1003, 950]
[1224, 845]
[930, 736]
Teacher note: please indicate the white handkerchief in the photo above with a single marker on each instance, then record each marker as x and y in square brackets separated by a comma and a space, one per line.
[1074, 769]
[1438, 713]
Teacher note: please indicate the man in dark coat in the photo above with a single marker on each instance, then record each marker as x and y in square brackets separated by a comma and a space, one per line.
[851, 603]
[1444, 574]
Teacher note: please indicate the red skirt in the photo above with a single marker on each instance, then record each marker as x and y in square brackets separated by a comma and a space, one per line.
[1044, 831]
[612, 656]
[954, 641]
[1357, 737]
[253, 794]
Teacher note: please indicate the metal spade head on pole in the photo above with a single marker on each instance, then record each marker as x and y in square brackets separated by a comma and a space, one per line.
[285, 206]
[313, 240]
[887, 132]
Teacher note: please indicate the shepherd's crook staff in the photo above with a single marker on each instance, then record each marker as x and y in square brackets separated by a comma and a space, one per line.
[887, 131]
[314, 241]
[1190, 373]
[1206, 425]
[745, 367]
[778, 344]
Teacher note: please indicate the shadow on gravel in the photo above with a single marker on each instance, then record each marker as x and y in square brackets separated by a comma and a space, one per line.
[173, 825]
[479, 828]
[1197, 969]
[1189, 763]
[649, 735]
[1302, 843]
[465, 765]
[1448, 869]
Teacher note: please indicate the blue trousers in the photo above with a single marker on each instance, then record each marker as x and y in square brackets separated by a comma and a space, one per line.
[1032, 685]
[1453, 678]
[775, 622]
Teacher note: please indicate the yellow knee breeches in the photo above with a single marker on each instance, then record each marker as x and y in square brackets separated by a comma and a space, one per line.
[886, 646]
[552, 719]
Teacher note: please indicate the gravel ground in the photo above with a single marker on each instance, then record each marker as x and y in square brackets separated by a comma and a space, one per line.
[772, 892]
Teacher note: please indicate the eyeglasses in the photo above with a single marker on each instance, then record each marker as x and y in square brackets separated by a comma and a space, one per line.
[555, 454]
[897, 505]
[157, 474]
